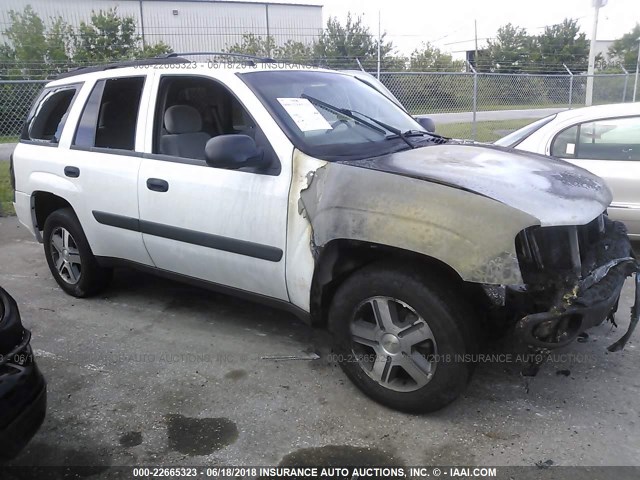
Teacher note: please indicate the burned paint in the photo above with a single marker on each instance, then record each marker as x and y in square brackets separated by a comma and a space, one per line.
[551, 190]
[473, 234]
[301, 250]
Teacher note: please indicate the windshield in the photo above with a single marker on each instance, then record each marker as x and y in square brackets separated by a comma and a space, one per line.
[373, 82]
[514, 138]
[330, 115]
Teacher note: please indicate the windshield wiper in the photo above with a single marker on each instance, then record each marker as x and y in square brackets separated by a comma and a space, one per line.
[343, 111]
[394, 130]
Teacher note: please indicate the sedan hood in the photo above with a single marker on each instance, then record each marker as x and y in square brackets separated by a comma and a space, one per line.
[551, 190]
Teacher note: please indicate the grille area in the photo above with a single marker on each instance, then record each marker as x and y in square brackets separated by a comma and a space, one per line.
[558, 251]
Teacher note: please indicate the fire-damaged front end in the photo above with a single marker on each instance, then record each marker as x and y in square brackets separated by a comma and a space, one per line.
[529, 232]
[573, 276]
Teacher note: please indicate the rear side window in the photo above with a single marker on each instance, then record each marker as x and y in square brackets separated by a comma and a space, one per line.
[564, 145]
[606, 139]
[110, 115]
[49, 114]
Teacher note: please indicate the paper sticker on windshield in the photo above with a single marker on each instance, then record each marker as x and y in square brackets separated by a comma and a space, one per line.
[306, 116]
[571, 149]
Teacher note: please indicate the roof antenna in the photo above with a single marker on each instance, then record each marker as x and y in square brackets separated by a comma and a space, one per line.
[360, 65]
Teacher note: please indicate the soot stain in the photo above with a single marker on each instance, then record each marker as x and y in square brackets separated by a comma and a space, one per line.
[340, 456]
[199, 436]
[131, 439]
[235, 374]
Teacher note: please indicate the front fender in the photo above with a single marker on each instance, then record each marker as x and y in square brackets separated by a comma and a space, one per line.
[473, 234]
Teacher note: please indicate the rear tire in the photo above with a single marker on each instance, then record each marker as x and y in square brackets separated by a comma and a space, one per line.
[69, 256]
[401, 335]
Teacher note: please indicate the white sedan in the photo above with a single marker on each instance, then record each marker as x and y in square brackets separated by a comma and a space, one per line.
[604, 139]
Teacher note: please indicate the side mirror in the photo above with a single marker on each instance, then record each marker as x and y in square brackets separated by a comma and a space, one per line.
[233, 152]
[427, 123]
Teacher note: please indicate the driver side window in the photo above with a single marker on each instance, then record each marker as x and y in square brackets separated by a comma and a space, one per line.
[191, 110]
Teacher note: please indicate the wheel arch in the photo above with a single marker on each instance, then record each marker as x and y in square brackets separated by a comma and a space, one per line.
[43, 204]
[341, 257]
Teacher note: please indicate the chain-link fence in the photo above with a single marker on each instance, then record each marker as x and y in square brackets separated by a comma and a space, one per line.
[16, 97]
[516, 99]
[461, 103]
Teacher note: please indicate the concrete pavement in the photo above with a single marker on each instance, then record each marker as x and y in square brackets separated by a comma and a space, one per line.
[6, 149]
[155, 372]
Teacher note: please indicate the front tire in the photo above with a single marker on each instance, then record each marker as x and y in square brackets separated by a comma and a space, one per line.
[401, 336]
[69, 256]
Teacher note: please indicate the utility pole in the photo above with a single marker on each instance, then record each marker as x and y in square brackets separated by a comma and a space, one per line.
[597, 5]
[379, 41]
[144, 41]
[635, 84]
[266, 13]
[475, 55]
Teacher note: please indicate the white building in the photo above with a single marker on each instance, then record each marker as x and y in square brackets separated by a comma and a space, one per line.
[189, 25]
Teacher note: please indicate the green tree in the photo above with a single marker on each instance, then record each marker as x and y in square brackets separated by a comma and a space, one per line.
[154, 50]
[107, 37]
[34, 50]
[561, 44]
[294, 52]
[625, 49]
[339, 45]
[59, 42]
[26, 51]
[509, 51]
[252, 44]
[430, 58]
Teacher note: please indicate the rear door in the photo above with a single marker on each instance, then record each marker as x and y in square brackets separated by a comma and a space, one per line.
[104, 160]
[610, 148]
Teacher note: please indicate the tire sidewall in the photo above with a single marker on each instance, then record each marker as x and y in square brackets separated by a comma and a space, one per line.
[90, 274]
[413, 288]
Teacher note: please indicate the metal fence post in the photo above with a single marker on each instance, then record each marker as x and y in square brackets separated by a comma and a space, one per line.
[474, 126]
[626, 82]
[570, 84]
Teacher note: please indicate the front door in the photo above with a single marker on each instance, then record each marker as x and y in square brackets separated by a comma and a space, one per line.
[223, 226]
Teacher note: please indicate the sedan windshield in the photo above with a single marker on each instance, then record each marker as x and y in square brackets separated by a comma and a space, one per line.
[335, 116]
[514, 138]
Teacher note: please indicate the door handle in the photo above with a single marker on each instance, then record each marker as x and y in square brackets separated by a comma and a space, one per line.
[157, 185]
[73, 172]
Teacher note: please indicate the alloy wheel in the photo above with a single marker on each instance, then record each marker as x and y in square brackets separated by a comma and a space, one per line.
[393, 344]
[66, 256]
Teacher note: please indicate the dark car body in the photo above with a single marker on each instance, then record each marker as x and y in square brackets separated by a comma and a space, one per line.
[23, 392]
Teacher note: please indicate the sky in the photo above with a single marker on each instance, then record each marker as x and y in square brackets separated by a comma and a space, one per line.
[449, 24]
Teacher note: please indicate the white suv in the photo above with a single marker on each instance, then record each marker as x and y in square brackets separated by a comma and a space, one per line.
[311, 190]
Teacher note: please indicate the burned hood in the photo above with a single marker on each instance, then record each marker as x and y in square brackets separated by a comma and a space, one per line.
[551, 190]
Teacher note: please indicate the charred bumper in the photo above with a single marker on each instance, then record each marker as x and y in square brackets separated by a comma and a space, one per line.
[585, 290]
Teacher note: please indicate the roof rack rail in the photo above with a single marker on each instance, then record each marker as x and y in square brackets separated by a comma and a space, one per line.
[122, 64]
[167, 58]
[219, 54]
